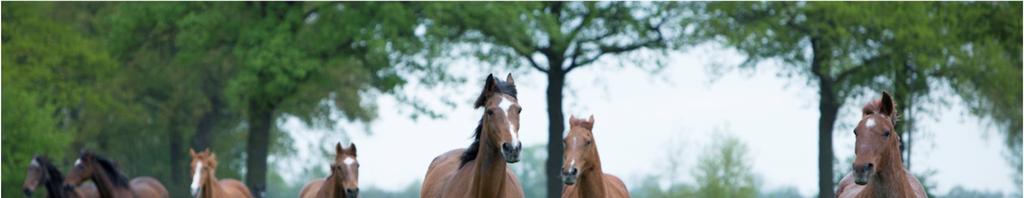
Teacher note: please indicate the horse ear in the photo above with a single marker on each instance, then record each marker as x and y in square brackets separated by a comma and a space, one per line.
[590, 121]
[490, 86]
[509, 80]
[888, 107]
[337, 149]
[352, 148]
[191, 152]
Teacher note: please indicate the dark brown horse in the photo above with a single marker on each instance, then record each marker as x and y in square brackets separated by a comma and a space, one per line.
[204, 178]
[582, 174]
[42, 171]
[878, 169]
[344, 178]
[109, 180]
[481, 170]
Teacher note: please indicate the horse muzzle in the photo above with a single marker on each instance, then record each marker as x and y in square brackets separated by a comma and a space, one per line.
[352, 192]
[569, 176]
[510, 152]
[861, 174]
[28, 192]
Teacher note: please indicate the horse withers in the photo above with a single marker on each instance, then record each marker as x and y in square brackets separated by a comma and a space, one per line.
[344, 178]
[581, 171]
[42, 172]
[109, 180]
[481, 170]
[204, 178]
[878, 168]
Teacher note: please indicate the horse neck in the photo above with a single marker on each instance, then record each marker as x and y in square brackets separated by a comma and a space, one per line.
[104, 184]
[591, 182]
[891, 180]
[54, 181]
[489, 175]
[211, 187]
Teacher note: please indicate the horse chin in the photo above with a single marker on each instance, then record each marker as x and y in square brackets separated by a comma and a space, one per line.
[861, 179]
[569, 180]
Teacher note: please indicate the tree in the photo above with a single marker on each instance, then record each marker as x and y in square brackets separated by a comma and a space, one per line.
[724, 170]
[554, 38]
[842, 47]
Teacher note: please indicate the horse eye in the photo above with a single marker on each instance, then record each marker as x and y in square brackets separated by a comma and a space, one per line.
[520, 110]
[588, 142]
[855, 132]
[886, 134]
[490, 112]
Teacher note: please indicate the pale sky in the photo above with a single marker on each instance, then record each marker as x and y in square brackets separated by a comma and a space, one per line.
[638, 114]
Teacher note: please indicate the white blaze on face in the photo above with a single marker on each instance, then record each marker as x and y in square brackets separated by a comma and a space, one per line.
[870, 123]
[348, 161]
[505, 106]
[196, 177]
[78, 162]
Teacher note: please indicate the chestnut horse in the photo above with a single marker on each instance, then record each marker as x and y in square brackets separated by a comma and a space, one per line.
[582, 175]
[344, 178]
[41, 171]
[878, 169]
[204, 179]
[109, 180]
[481, 170]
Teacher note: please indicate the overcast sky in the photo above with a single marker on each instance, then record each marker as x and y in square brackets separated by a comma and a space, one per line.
[639, 115]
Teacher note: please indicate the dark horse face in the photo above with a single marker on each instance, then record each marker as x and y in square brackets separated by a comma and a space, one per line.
[876, 142]
[579, 149]
[83, 170]
[502, 117]
[203, 166]
[345, 170]
[36, 174]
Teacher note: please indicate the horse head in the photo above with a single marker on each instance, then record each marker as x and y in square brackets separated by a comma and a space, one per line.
[499, 126]
[345, 170]
[580, 150]
[202, 166]
[877, 143]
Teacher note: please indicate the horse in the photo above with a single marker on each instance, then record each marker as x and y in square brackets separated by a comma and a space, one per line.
[344, 178]
[481, 170]
[110, 182]
[583, 176]
[878, 168]
[42, 171]
[204, 179]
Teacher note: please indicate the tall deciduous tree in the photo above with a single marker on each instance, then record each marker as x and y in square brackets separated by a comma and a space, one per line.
[842, 47]
[555, 38]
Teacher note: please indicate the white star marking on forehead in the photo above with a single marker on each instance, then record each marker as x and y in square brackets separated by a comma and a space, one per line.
[349, 161]
[870, 123]
[35, 163]
[78, 162]
[505, 106]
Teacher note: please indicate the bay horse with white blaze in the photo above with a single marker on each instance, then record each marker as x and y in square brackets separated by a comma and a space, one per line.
[204, 178]
[878, 169]
[582, 174]
[42, 171]
[109, 180]
[344, 178]
[481, 170]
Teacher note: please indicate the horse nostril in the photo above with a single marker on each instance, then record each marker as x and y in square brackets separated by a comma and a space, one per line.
[28, 193]
[869, 167]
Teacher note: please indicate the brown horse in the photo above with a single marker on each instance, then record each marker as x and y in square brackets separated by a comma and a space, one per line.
[582, 175]
[204, 179]
[878, 169]
[41, 171]
[481, 169]
[109, 180]
[344, 178]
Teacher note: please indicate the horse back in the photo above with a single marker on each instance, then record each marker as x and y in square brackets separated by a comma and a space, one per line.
[148, 187]
[439, 173]
[311, 188]
[614, 187]
[234, 188]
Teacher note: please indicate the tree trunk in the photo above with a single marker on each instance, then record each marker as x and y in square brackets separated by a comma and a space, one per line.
[828, 107]
[204, 129]
[556, 82]
[260, 123]
[176, 159]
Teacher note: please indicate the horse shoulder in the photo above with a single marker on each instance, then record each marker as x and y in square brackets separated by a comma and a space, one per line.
[235, 187]
[614, 187]
[311, 188]
[915, 185]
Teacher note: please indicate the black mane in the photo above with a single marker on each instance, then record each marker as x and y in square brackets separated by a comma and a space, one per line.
[502, 87]
[54, 180]
[108, 166]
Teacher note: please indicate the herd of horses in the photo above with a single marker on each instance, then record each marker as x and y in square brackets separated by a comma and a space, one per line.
[480, 170]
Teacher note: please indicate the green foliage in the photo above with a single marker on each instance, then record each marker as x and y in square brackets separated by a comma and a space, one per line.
[530, 170]
[724, 170]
